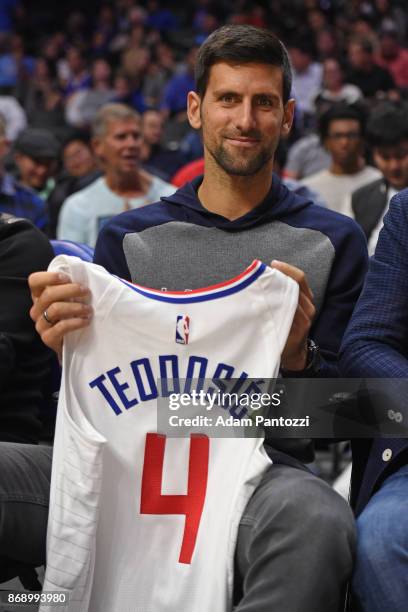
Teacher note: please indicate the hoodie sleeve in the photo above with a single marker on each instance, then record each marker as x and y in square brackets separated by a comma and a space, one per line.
[109, 251]
[344, 287]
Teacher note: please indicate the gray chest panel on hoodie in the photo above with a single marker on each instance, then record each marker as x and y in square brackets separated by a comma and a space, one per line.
[179, 256]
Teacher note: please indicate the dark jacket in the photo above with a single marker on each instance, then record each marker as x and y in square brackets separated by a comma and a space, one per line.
[375, 345]
[24, 359]
[368, 204]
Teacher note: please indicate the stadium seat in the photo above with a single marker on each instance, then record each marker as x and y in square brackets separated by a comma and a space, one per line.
[69, 247]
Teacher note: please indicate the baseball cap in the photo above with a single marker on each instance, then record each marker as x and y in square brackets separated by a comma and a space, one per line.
[37, 143]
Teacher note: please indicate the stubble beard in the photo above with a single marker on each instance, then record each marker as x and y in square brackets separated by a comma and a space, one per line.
[240, 166]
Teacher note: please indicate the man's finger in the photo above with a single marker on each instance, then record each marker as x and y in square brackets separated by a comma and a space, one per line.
[307, 306]
[38, 281]
[58, 293]
[298, 275]
[53, 337]
[300, 321]
[59, 311]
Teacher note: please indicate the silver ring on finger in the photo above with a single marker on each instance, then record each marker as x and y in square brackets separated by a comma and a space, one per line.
[46, 318]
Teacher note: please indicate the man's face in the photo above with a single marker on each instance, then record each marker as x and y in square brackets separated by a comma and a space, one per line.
[358, 58]
[119, 148]
[300, 61]
[242, 116]
[78, 158]
[332, 74]
[35, 172]
[344, 141]
[75, 61]
[392, 161]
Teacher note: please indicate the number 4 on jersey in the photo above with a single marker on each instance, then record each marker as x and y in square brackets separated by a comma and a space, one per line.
[191, 505]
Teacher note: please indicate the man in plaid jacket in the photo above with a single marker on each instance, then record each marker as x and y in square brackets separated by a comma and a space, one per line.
[376, 346]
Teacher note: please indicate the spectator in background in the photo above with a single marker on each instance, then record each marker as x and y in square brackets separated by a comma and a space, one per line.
[126, 93]
[80, 169]
[15, 198]
[36, 154]
[174, 101]
[387, 133]
[342, 134]
[15, 65]
[105, 30]
[117, 142]
[78, 157]
[305, 157]
[373, 80]
[155, 158]
[392, 57]
[82, 106]
[307, 77]
[326, 44]
[154, 82]
[79, 77]
[334, 89]
[297, 187]
[13, 113]
[42, 96]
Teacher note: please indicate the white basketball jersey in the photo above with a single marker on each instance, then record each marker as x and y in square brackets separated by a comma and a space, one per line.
[141, 522]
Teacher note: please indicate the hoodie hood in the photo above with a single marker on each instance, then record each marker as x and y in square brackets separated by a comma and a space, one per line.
[279, 203]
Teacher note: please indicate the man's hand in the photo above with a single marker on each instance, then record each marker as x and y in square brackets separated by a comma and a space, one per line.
[294, 356]
[63, 302]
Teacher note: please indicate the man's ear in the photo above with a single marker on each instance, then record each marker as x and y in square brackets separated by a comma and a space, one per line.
[288, 114]
[194, 109]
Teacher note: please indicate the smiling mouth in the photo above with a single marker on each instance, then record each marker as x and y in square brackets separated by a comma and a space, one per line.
[243, 142]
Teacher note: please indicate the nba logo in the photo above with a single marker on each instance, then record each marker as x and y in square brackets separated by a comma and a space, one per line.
[182, 329]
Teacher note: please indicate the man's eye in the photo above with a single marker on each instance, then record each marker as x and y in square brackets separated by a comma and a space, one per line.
[264, 102]
[227, 98]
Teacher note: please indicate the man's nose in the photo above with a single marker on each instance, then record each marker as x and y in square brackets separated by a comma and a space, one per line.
[245, 120]
[132, 141]
[395, 164]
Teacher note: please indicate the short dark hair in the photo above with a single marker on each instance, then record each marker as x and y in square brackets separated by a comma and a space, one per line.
[338, 112]
[73, 134]
[387, 125]
[242, 44]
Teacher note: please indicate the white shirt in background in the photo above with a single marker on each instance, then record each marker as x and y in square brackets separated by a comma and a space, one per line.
[336, 189]
[85, 212]
[372, 243]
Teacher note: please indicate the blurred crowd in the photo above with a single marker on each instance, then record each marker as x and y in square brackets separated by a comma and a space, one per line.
[57, 69]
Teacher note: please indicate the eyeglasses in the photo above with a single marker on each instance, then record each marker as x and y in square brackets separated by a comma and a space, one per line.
[348, 135]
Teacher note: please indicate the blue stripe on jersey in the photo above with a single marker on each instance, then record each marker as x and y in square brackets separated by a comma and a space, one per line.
[190, 299]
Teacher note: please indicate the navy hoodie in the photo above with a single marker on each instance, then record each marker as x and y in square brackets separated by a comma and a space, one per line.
[177, 244]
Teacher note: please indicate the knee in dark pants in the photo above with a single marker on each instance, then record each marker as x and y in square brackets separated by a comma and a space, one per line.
[295, 545]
